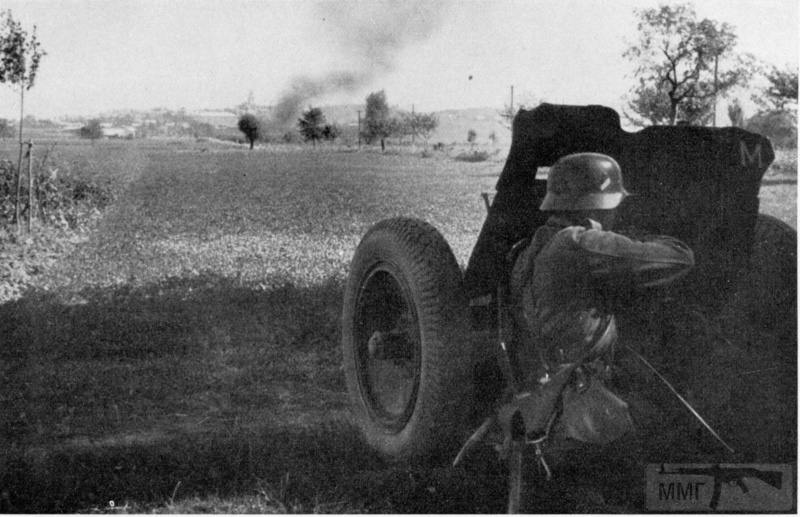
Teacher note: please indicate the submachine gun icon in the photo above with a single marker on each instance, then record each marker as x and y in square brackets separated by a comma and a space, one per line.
[729, 475]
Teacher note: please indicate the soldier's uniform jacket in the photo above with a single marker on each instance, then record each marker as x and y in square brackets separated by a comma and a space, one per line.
[563, 282]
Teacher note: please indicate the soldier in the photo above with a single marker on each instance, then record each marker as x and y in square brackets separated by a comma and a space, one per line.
[564, 284]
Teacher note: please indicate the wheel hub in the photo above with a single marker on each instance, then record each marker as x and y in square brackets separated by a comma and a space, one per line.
[388, 348]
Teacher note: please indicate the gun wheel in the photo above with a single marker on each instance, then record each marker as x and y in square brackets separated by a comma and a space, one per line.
[768, 290]
[406, 367]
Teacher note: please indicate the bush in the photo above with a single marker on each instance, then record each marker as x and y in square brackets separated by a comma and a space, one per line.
[7, 190]
[92, 130]
[474, 156]
[331, 132]
[779, 126]
[60, 199]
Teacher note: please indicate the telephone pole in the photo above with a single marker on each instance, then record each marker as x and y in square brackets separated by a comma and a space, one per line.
[716, 65]
[359, 128]
[413, 122]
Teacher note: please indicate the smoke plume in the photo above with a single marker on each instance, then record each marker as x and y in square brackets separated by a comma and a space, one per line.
[371, 34]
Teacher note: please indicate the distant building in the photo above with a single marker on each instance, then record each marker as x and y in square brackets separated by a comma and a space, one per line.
[71, 126]
[119, 132]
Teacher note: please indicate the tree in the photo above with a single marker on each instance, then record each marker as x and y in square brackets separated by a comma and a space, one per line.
[20, 54]
[777, 119]
[425, 124]
[91, 130]
[251, 127]
[682, 65]
[781, 92]
[780, 126]
[377, 122]
[402, 125]
[312, 125]
[418, 124]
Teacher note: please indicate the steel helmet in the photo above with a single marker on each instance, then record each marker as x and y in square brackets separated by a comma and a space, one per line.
[584, 181]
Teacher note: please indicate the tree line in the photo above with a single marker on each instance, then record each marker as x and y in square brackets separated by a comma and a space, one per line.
[379, 123]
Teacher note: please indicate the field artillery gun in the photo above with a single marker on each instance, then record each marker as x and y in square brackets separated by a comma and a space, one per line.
[428, 349]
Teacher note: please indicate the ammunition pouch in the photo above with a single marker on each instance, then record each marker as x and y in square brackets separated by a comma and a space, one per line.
[588, 411]
[593, 414]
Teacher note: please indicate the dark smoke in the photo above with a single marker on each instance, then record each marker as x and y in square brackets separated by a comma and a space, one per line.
[305, 88]
[372, 33]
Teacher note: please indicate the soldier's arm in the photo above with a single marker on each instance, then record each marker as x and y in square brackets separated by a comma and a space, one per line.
[651, 262]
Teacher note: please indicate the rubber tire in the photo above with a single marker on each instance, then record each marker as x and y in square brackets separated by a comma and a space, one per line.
[768, 289]
[422, 257]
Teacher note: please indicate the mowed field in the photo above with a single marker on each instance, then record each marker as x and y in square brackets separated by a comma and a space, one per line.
[185, 356]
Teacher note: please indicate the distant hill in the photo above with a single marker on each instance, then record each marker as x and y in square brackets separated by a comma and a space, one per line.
[454, 125]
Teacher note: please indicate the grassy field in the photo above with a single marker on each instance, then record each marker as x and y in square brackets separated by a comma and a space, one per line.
[184, 357]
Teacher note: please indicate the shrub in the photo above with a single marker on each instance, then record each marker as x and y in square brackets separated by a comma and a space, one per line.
[331, 132]
[7, 190]
[473, 156]
[779, 126]
[92, 130]
[60, 199]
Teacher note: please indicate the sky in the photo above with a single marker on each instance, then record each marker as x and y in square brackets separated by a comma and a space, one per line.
[105, 55]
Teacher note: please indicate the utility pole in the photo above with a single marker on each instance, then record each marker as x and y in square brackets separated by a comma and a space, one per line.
[19, 160]
[30, 184]
[359, 128]
[413, 127]
[716, 63]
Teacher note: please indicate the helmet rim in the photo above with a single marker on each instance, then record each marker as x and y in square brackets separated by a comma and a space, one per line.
[608, 201]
